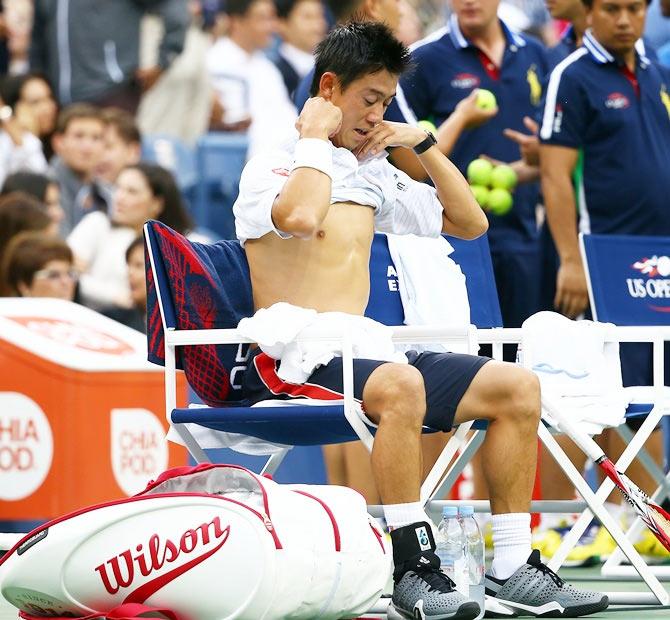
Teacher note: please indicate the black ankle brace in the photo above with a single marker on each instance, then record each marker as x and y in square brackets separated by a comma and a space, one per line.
[413, 549]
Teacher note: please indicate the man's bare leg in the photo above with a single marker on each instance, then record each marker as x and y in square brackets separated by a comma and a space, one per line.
[394, 398]
[509, 398]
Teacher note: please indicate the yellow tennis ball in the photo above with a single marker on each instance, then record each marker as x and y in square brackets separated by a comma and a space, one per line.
[486, 100]
[427, 125]
[481, 195]
[479, 172]
[504, 177]
[500, 201]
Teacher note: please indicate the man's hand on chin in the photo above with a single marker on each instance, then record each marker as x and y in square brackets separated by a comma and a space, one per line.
[389, 134]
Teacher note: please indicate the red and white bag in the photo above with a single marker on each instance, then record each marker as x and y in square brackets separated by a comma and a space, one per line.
[205, 543]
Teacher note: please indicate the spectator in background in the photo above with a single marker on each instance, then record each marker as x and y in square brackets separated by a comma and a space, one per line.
[664, 50]
[78, 144]
[20, 148]
[180, 104]
[21, 212]
[302, 25]
[249, 87]
[657, 28]
[39, 186]
[33, 93]
[606, 123]
[478, 50]
[122, 147]
[38, 266]
[99, 242]
[90, 50]
[135, 316]
[410, 29]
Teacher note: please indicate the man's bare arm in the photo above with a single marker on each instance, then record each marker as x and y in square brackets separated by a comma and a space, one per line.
[303, 202]
[557, 164]
[462, 216]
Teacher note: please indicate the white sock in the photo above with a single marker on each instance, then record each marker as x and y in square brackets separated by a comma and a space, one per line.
[399, 515]
[511, 543]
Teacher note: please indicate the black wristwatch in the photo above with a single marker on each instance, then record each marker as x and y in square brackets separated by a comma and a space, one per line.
[424, 145]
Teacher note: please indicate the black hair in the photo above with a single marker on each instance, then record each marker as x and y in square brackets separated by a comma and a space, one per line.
[31, 183]
[162, 185]
[137, 242]
[356, 49]
[237, 7]
[12, 87]
[589, 3]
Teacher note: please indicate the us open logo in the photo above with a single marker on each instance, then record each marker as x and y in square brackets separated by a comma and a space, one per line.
[617, 101]
[654, 286]
[465, 81]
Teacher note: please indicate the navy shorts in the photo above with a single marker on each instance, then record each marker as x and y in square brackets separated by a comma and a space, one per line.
[446, 377]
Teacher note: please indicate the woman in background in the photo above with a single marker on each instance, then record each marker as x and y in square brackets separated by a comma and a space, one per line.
[36, 265]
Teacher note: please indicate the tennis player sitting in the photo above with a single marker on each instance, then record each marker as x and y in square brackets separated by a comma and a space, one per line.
[307, 215]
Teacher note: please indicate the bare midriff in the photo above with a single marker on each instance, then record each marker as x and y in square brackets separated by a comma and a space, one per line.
[328, 272]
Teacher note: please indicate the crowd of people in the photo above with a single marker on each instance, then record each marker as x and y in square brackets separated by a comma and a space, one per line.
[581, 114]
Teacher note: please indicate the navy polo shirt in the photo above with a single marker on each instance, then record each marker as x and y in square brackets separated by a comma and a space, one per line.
[621, 123]
[448, 68]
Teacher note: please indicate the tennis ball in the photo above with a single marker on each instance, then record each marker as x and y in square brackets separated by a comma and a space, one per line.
[486, 100]
[500, 201]
[428, 126]
[481, 195]
[479, 172]
[503, 177]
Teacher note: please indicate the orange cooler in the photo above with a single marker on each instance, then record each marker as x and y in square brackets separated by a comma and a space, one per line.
[81, 410]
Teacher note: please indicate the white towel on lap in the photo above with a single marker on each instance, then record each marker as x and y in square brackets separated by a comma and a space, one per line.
[577, 366]
[432, 286]
[277, 330]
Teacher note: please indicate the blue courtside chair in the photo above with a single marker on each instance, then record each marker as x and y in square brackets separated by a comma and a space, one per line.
[219, 159]
[628, 278]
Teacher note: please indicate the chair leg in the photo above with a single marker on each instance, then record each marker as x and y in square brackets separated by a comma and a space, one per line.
[273, 462]
[458, 465]
[448, 453]
[596, 507]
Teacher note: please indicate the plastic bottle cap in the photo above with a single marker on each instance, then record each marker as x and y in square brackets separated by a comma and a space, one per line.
[449, 511]
[466, 511]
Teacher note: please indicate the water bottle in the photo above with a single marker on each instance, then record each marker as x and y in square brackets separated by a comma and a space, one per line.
[451, 548]
[474, 553]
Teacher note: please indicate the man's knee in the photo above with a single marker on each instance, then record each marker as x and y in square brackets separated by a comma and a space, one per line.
[523, 395]
[395, 392]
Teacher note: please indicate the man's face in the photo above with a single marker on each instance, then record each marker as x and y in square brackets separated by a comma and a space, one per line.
[617, 24]
[565, 9]
[81, 145]
[116, 155]
[305, 26]
[363, 104]
[258, 24]
[475, 15]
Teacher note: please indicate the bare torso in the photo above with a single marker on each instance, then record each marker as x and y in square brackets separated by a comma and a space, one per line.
[329, 272]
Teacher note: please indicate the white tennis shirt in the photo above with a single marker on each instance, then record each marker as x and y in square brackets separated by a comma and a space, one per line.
[401, 204]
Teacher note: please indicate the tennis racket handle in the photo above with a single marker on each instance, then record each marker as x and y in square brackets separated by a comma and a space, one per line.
[583, 441]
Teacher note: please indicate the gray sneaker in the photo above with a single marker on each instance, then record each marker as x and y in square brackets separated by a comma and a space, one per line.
[535, 590]
[428, 594]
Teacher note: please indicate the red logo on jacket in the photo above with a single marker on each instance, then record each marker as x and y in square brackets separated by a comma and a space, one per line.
[120, 571]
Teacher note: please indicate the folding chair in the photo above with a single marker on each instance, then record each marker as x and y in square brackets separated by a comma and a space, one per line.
[628, 285]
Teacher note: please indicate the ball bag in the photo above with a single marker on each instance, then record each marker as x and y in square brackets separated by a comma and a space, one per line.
[205, 543]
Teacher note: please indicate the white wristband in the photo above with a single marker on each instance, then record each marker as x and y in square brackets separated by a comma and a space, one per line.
[314, 153]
